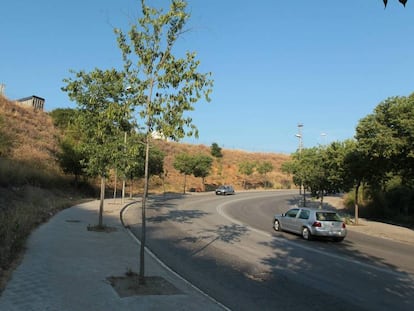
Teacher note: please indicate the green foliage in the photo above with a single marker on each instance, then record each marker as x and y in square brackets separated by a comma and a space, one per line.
[183, 163]
[63, 118]
[163, 87]
[102, 113]
[70, 158]
[201, 165]
[198, 165]
[386, 138]
[246, 168]
[136, 159]
[263, 168]
[216, 150]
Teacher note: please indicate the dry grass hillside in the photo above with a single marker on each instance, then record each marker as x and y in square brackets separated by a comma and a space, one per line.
[28, 136]
[32, 138]
[224, 170]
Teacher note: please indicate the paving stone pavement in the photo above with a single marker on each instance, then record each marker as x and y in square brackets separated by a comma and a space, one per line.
[66, 267]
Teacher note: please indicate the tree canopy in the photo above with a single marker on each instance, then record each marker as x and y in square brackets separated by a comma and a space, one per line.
[163, 86]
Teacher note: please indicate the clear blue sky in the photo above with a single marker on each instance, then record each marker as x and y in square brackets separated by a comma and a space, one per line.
[323, 63]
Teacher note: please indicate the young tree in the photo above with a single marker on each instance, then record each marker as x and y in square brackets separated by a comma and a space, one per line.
[202, 167]
[215, 151]
[357, 169]
[163, 87]
[70, 158]
[183, 163]
[263, 168]
[246, 168]
[98, 95]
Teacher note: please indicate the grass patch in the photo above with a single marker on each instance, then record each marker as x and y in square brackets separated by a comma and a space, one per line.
[28, 198]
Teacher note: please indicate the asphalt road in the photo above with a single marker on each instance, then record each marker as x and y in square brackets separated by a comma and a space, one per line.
[226, 246]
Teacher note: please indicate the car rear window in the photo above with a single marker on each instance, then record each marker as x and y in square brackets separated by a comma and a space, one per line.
[327, 216]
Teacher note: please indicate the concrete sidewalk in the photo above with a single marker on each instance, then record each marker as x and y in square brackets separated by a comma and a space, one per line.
[66, 267]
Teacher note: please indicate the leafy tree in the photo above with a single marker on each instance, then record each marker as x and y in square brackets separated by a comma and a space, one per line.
[387, 138]
[163, 87]
[316, 169]
[202, 167]
[357, 169]
[216, 150]
[98, 95]
[386, 142]
[263, 168]
[70, 158]
[292, 168]
[246, 168]
[183, 163]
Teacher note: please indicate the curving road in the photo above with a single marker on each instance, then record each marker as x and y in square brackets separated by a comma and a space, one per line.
[225, 245]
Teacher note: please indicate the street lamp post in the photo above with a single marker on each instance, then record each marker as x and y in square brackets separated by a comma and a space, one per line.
[323, 135]
[299, 135]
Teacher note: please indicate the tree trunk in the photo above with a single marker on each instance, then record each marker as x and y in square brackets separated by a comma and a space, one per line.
[101, 203]
[185, 181]
[321, 202]
[123, 191]
[356, 203]
[144, 201]
[116, 180]
[304, 196]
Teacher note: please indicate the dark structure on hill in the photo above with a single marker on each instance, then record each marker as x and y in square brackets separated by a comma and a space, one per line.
[33, 101]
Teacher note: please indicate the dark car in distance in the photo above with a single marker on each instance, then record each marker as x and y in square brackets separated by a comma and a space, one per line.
[224, 190]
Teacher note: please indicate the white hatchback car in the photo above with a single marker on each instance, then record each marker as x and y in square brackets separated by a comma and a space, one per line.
[310, 222]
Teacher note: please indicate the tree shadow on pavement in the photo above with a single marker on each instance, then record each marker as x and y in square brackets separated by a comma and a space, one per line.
[226, 233]
[184, 216]
[384, 284]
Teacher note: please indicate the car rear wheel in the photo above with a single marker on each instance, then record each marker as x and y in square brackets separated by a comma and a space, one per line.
[276, 225]
[306, 234]
[338, 239]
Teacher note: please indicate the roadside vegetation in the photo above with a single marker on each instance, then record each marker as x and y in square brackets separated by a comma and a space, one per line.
[32, 187]
[376, 168]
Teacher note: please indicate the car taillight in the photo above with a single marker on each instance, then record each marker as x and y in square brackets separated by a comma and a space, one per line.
[317, 224]
[343, 225]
